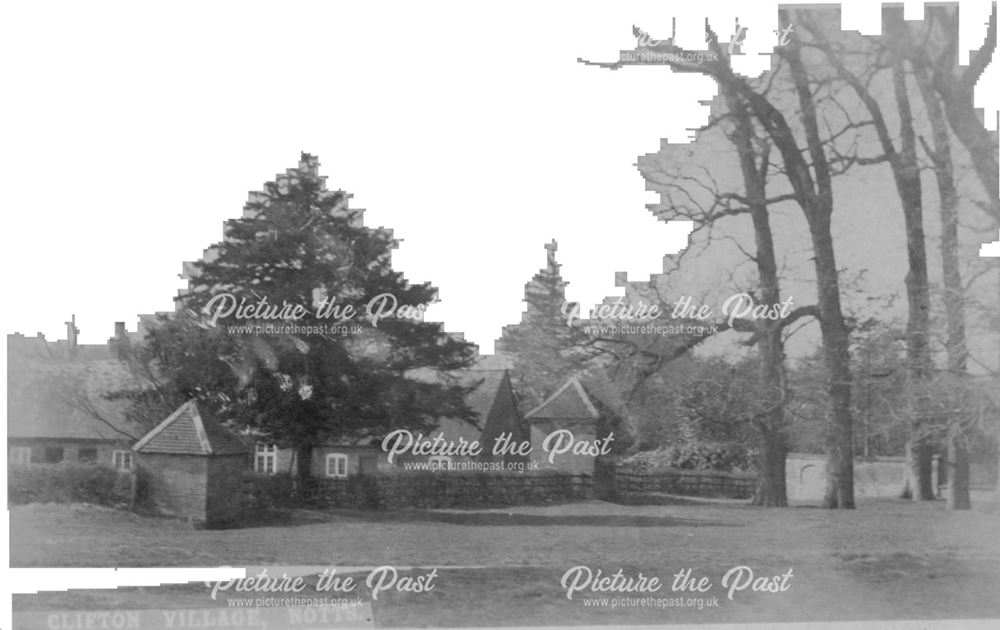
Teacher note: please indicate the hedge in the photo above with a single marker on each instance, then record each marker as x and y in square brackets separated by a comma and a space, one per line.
[70, 483]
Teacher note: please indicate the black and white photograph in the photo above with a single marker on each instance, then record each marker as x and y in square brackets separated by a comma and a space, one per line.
[329, 314]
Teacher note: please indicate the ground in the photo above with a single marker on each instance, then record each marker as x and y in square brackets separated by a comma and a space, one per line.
[886, 560]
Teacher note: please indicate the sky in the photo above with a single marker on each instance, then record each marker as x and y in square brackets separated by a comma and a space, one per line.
[136, 131]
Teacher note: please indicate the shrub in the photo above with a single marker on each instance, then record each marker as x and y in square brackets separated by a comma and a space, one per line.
[721, 456]
[70, 483]
[436, 490]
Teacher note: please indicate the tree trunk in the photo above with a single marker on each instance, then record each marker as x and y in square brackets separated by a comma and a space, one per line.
[996, 488]
[303, 466]
[770, 422]
[958, 471]
[906, 173]
[771, 489]
[919, 484]
[816, 200]
[954, 292]
[840, 433]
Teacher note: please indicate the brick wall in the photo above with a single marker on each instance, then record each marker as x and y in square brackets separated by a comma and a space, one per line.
[174, 485]
[224, 489]
[568, 463]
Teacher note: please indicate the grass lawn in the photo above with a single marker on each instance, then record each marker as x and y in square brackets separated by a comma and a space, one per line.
[886, 560]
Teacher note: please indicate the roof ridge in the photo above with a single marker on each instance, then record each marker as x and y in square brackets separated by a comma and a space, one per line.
[199, 427]
[574, 382]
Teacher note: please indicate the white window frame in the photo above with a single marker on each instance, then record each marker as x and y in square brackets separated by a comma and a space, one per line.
[265, 458]
[121, 460]
[20, 455]
[439, 462]
[339, 469]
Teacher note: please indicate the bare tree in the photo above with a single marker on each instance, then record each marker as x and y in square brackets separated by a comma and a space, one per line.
[954, 294]
[810, 180]
[766, 414]
[860, 69]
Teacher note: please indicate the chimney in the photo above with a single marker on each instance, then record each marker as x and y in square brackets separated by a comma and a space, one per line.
[71, 333]
[120, 337]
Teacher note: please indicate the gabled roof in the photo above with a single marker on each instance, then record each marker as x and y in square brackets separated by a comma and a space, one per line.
[187, 432]
[569, 401]
[481, 400]
[55, 397]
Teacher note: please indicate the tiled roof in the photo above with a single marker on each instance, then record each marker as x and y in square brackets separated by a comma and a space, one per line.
[187, 432]
[54, 397]
[569, 402]
[480, 400]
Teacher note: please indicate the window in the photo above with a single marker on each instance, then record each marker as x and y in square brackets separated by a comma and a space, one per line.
[87, 455]
[20, 455]
[122, 460]
[336, 465]
[439, 462]
[264, 459]
[53, 454]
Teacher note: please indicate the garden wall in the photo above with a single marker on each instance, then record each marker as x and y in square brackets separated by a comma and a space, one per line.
[881, 477]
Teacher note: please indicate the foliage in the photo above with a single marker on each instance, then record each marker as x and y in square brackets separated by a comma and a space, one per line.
[300, 245]
[720, 456]
[696, 400]
[69, 483]
[448, 489]
[268, 491]
[543, 348]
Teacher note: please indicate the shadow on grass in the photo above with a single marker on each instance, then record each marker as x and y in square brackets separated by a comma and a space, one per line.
[662, 498]
[493, 519]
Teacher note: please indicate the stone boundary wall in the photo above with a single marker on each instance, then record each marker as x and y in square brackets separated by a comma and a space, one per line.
[878, 477]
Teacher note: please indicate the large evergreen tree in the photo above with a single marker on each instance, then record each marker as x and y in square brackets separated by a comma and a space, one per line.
[542, 348]
[299, 244]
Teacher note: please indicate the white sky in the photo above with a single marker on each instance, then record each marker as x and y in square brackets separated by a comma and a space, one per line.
[131, 132]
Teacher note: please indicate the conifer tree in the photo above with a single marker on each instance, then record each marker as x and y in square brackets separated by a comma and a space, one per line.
[316, 373]
[543, 349]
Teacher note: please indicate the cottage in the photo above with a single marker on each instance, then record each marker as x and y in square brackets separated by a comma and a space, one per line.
[192, 467]
[56, 409]
[492, 401]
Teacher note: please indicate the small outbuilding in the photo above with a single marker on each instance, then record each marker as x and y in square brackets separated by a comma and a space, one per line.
[589, 408]
[192, 467]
